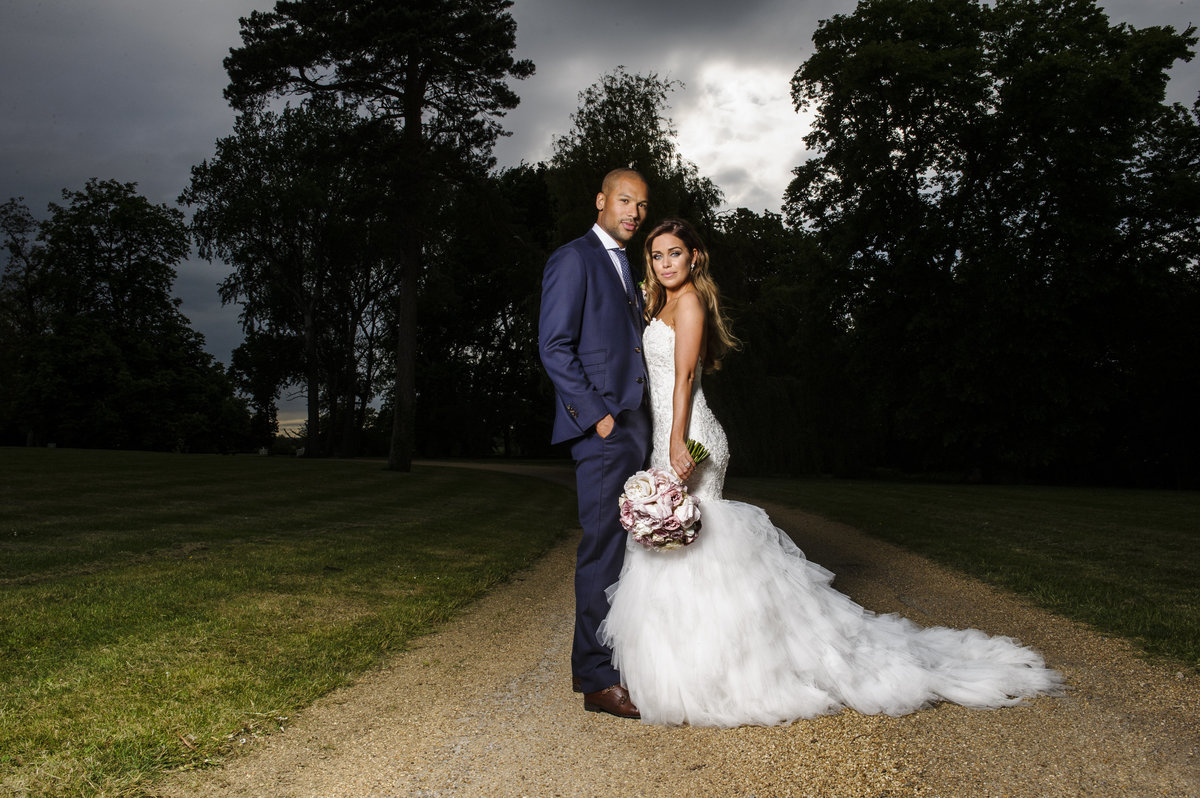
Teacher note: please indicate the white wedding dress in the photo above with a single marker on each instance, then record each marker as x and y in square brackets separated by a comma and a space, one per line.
[740, 629]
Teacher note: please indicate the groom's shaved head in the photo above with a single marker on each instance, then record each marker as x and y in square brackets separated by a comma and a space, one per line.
[621, 204]
[610, 179]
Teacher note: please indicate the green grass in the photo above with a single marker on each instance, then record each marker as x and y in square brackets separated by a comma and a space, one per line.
[1126, 562]
[156, 609]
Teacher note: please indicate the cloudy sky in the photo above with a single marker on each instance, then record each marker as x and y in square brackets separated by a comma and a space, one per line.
[131, 90]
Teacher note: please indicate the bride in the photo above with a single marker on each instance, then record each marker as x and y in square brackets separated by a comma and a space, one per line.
[739, 628]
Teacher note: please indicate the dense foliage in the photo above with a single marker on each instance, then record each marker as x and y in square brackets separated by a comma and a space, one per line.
[622, 121]
[434, 75]
[95, 351]
[1007, 212]
[294, 203]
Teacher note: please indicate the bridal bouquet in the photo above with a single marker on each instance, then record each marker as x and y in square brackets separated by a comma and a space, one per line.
[657, 510]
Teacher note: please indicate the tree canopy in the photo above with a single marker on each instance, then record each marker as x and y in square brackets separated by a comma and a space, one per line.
[295, 204]
[1008, 212]
[622, 121]
[436, 71]
[96, 350]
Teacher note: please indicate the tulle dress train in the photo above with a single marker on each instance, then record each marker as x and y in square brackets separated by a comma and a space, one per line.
[739, 628]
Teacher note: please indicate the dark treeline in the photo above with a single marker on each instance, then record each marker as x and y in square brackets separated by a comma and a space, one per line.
[1006, 214]
[987, 271]
[93, 349]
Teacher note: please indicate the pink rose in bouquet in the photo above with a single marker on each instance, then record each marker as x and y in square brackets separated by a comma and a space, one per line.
[657, 510]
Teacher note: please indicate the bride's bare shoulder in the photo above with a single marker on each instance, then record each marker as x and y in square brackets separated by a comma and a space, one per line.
[689, 308]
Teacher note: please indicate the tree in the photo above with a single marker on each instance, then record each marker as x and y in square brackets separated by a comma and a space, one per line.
[101, 355]
[621, 121]
[435, 70]
[294, 203]
[24, 315]
[22, 292]
[481, 380]
[982, 194]
[778, 396]
[259, 366]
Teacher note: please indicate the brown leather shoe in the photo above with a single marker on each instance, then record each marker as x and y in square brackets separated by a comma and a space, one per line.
[613, 700]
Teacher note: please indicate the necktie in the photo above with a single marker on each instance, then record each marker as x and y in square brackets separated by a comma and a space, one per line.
[626, 277]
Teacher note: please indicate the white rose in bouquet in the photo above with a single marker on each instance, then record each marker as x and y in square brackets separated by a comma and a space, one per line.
[657, 510]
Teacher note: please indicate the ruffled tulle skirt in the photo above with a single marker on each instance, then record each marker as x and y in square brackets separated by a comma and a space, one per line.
[741, 629]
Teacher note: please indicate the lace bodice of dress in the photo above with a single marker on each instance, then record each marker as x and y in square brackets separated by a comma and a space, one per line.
[658, 343]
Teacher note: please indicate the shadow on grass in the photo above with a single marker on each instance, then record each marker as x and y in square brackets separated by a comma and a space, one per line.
[155, 609]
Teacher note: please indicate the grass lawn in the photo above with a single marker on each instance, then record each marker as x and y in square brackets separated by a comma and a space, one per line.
[156, 609]
[1126, 562]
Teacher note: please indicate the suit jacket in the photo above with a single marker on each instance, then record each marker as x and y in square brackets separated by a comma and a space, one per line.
[589, 337]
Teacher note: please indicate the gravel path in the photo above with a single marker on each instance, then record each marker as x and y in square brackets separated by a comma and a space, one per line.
[484, 708]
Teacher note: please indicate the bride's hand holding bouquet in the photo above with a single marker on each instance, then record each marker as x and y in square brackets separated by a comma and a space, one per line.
[686, 456]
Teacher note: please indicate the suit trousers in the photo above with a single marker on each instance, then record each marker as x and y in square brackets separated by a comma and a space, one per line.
[601, 467]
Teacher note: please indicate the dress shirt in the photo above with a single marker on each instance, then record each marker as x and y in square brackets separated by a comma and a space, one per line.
[610, 244]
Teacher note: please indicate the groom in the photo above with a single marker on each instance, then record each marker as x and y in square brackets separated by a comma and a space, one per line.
[590, 342]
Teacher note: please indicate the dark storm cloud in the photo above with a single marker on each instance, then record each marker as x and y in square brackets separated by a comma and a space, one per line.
[128, 90]
[638, 25]
[574, 43]
[125, 89]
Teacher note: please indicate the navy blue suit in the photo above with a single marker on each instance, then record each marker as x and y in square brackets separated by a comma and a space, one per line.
[590, 342]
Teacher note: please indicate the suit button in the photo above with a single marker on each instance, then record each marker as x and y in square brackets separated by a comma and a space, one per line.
[640, 380]
[637, 349]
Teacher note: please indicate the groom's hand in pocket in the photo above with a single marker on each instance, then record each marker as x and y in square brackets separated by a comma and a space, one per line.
[604, 426]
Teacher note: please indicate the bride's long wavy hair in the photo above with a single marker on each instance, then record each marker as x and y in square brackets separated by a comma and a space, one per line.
[718, 339]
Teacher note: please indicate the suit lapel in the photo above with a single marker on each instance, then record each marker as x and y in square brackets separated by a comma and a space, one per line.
[639, 305]
[604, 261]
[635, 307]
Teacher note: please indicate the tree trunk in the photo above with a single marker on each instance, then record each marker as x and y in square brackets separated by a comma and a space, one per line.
[405, 395]
[312, 378]
[412, 180]
[333, 422]
[350, 425]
